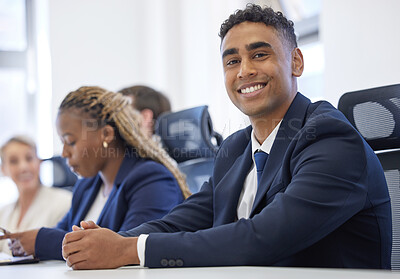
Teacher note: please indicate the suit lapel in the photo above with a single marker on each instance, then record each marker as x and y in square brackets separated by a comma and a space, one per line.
[126, 166]
[292, 122]
[271, 167]
[227, 191]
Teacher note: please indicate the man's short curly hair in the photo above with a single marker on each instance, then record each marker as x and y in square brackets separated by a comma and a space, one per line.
[268, 16]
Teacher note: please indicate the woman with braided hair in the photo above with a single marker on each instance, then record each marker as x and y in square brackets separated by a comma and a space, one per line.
[127, 178]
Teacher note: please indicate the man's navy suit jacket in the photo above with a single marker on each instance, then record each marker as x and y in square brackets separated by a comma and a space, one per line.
[143, 190]
[322, 201]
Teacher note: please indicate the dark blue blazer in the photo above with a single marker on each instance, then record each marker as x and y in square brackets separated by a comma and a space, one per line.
[322, 201]
[143, 190]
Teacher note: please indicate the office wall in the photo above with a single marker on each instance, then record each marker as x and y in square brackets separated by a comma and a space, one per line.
[171, 45]
[361, 43]
[174, 46]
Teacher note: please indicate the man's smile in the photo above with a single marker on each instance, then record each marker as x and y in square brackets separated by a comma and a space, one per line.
[251, 88]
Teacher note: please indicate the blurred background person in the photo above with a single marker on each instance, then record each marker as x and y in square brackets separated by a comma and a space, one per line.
[151, 105]
[127, 178]
[37, 205]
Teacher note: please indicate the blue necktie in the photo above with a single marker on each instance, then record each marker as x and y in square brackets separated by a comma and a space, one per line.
[260, 157]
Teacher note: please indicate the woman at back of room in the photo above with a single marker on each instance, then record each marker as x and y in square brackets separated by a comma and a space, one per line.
[37, 205]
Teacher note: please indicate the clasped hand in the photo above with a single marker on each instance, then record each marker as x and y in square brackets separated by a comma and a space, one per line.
[93, 247]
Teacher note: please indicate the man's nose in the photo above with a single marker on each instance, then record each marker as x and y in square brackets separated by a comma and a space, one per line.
[247, 69]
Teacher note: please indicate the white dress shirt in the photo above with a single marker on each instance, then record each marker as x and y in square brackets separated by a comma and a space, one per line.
[97, 206]
[247, 195]
[249, 190]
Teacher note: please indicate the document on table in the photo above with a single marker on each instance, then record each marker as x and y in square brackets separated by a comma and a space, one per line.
[8, 259]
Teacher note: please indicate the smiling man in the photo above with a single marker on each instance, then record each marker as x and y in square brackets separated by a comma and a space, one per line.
[299, 187]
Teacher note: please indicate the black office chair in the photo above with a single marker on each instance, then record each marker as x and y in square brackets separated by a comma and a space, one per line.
[189, 138]
[376, 115]
[62, 175]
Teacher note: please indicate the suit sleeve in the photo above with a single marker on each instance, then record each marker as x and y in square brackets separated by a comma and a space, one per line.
[321, 188]
[154, 194]
[195, 213]
[48, 244]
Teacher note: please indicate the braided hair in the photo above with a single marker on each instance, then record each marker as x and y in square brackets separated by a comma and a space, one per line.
[114, 109]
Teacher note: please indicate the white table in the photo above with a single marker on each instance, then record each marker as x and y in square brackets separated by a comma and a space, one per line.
[58, 270]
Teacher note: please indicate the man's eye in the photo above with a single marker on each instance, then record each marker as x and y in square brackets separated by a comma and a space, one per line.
[232, 62]
[259, 55]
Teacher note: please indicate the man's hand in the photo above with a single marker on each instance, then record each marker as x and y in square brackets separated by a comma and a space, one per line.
[85, 225]
[22, 243]
[98, 248]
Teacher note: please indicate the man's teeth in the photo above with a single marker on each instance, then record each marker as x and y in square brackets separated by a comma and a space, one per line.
[252, 88]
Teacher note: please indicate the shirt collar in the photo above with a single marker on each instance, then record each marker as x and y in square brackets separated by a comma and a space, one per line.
[267, 144]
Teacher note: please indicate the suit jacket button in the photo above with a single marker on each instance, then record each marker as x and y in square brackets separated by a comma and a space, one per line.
[179, 262]
[171, 263]
[164, 262]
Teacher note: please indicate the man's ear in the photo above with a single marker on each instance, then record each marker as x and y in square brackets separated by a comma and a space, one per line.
[147, 115]
[297, 62]
[147, 124]
[108, 134]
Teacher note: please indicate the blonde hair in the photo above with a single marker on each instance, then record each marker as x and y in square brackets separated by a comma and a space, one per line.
[114, 109]
[18, 139]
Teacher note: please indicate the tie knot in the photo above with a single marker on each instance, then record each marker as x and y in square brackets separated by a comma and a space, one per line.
[260, 157]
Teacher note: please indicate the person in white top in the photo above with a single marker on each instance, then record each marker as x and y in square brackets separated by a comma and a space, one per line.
[37, 205]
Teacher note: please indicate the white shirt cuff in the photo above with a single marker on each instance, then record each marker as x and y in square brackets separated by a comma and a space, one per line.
[141, 248]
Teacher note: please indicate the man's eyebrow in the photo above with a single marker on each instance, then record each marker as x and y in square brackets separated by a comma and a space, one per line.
[249, 47]
[230, 51]
[256, 45]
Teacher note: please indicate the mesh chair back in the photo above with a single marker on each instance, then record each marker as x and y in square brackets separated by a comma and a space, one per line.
[188, 134]
[189, 138]
[62, 176]
[376, 115]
